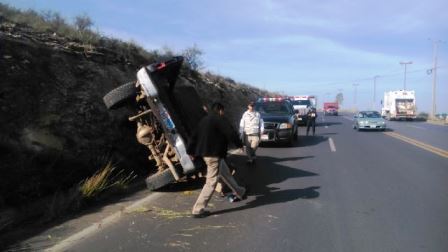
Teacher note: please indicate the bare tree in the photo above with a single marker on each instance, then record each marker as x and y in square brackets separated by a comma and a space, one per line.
[83, 22]
[55, 20]
[192, 57]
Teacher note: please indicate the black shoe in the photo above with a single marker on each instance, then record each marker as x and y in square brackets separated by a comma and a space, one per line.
[202, 214]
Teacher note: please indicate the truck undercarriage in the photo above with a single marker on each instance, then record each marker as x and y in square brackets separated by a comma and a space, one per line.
[167, 111]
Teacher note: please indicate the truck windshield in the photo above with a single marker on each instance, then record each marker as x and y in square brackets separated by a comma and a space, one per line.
[272, 108]
[302, 102]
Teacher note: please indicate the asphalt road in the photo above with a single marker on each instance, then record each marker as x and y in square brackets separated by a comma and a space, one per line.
[340, 190]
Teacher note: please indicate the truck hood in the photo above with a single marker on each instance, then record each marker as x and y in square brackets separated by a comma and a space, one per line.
[275, 118]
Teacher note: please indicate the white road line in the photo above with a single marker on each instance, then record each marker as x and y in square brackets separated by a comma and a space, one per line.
[113, 218]
[332, 146]
[348, 118]
[417, 127]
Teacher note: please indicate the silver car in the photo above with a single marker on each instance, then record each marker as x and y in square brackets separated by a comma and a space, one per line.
[369, 120]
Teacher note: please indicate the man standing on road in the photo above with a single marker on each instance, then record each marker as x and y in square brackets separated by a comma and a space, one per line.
[251, 126]
[210, 142]
[311, 121]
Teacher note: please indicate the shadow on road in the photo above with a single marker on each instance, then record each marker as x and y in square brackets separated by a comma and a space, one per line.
[301, 141]
[273, 197]
[376, 130]
[268, 171]
[326, 123]
[310, 140]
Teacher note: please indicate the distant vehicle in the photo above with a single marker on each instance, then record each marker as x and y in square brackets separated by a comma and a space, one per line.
[280, 123]
[302, 105]
[331, 108]
[442, 116]
[369, 120]
[399, 104]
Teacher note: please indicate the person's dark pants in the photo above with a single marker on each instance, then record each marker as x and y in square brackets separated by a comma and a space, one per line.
[310, 123]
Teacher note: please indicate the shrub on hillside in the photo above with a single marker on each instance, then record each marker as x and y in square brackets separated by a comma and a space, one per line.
[193, 59]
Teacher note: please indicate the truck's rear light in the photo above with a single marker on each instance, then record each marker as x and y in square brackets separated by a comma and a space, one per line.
[161, 66]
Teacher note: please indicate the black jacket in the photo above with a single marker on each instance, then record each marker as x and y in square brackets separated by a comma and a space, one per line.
[212, 136]
[310, 116]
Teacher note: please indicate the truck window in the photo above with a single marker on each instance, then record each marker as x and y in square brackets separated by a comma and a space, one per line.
[272, 108]
[302, 102]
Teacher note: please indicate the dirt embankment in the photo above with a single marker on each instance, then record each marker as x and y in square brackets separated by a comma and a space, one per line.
[54, 128]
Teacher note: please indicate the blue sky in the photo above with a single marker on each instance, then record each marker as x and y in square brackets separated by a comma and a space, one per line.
[294, 47]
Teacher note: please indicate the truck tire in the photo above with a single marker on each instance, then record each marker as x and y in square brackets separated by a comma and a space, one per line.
[159, 180]
[119, 96]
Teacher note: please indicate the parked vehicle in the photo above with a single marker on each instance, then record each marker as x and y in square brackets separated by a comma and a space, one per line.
[369, 120]
[167, 113]
[399, 104]
[302, 105]
[331, 108]
[280, 121]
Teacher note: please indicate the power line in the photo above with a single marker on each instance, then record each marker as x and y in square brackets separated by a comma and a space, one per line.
[336, 83]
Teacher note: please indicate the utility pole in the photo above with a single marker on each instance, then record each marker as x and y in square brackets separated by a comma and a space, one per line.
[435, 45]
[374, 91]
[405, 64]
[354, 97]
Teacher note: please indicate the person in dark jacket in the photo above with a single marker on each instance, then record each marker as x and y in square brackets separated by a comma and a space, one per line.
[311, 121]
[210, 141]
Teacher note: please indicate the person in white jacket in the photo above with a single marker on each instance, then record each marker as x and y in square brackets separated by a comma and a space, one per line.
[251, 126]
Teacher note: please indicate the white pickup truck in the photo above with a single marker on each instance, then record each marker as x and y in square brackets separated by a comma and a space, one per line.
[302, 105]
[167, 113]
[399, 104]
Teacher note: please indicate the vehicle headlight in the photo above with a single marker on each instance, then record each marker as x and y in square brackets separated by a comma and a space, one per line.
[363, 122]
[382, 122]
[285, 126]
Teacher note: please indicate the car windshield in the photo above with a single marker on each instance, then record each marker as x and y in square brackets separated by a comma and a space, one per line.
[370, 114]
[301, 102]
[272, 108]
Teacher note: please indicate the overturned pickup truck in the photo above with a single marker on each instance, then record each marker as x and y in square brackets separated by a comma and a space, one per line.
[168, 111]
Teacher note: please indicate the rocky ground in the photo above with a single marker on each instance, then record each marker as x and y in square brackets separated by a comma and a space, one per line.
[54, 128]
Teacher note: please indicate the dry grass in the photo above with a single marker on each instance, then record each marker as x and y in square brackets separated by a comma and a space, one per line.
[104, 179]
[99, 182]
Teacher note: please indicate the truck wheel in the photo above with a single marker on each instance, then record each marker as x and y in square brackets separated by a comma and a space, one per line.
[159, 180]
[119, 96]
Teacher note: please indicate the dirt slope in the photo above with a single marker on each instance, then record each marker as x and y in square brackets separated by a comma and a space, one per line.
[54, 128]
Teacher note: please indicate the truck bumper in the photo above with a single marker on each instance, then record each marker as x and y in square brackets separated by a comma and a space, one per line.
[276, 135]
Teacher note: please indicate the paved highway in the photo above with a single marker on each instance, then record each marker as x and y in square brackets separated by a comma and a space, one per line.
[341, 190]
